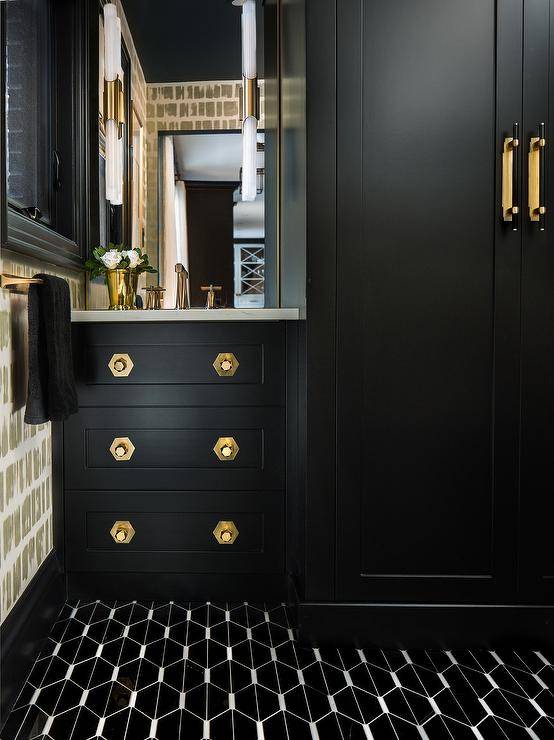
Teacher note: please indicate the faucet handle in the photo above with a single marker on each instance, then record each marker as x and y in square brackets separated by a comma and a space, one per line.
[211, 289]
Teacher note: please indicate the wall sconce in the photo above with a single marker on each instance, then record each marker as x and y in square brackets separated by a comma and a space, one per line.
[250, 99]
[114, 105]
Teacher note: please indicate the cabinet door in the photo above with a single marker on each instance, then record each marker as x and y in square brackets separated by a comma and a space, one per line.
[428, 304]
[537, 407]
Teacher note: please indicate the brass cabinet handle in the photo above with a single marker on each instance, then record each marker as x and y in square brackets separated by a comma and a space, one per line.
[121, 365]
[537, 160]
[226, 448]
[225, 533]
[226, 364]
[122, 532]
[510, 178]
[122, 449]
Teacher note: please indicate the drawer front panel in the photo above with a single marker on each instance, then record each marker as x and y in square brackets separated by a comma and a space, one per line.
[173, 448]
[115, 363]
[174, 532]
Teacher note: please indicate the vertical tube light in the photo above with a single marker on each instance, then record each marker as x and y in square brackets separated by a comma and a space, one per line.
[113, 105]
[250, 100]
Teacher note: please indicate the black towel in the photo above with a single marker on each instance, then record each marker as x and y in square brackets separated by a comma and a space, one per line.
[51, 394]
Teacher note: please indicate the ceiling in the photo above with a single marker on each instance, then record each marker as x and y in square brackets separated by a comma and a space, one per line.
[186, 40]
[218, 157]
[208, 156]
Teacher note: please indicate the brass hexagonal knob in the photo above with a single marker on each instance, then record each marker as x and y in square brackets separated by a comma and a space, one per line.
[226, 449]
[122, 449]
[122, 532]
[226, 364]
[121, 365]
[225, 533]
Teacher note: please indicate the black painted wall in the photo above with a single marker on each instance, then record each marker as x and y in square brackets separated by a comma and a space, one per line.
[208, 30]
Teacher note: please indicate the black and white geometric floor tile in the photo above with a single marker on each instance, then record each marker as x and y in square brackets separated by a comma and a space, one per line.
[174, 671]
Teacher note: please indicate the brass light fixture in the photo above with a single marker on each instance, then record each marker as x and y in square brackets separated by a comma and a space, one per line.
[226, 449]
[250, 113]
[114, 105]
[226, 364]
[225, 533]
[121, 365]
[122, 532]
[122, 449]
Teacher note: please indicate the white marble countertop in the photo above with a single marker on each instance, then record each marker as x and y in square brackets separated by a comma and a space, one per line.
[191, 314]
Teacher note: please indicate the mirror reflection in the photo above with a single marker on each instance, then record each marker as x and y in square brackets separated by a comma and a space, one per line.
[184, 120]
[205, 224]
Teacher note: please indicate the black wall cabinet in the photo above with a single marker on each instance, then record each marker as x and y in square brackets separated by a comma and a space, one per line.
[440, 358]
[536, 513]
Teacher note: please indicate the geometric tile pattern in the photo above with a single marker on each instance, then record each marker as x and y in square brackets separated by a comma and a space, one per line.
[212, 671]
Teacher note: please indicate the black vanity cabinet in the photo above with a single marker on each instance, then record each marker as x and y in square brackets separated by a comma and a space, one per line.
[430, 358]
[175, 463]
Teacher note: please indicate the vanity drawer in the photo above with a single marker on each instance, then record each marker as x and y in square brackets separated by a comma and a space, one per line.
[188, 448]
[180, 364]
[173, 532]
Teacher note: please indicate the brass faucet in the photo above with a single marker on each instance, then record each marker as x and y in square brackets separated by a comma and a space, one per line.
[210, 300]
[149, 297]
[158, 292]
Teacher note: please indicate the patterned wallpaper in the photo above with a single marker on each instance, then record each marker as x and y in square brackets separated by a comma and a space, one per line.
[186, 106]
[25, 451]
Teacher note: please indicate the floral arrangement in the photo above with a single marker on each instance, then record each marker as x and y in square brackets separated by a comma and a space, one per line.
[117, 257]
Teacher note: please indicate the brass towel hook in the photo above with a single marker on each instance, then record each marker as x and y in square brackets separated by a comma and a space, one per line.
[16, 283]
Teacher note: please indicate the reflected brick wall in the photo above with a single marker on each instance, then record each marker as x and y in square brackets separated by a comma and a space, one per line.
[186, 106]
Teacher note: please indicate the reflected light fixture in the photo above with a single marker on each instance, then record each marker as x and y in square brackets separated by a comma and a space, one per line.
[114, 105]
[250, 99]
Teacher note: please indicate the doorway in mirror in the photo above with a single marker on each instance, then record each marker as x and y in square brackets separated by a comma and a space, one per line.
[203, 221]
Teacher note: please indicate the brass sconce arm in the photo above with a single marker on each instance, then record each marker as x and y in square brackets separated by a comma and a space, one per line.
[114, 103]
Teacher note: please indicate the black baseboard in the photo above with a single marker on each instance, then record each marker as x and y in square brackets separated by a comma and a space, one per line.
[411, 626]
[177, 586]
[26, 626]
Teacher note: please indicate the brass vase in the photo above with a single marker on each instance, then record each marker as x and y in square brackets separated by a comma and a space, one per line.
[122, 289]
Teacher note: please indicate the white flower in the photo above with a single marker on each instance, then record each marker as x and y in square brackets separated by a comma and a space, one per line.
[134, 257]
[111, 259]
